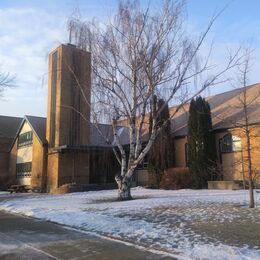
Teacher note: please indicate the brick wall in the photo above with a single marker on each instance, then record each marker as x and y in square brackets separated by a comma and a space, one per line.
[39, 164]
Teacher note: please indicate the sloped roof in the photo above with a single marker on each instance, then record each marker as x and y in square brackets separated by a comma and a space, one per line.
[97, 139]
[226, 109]
[9, 126]
[38, 125]
[226, 113]
[8, 129]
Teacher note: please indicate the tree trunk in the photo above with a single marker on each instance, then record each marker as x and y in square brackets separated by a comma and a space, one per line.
[250, 172]
[124, 188]
[251, 194]
[124, 193]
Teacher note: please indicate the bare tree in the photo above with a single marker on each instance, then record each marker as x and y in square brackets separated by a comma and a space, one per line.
[5, 82]
[140, 53]
[248, 103]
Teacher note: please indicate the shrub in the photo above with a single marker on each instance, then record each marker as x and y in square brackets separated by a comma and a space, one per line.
[176, 178]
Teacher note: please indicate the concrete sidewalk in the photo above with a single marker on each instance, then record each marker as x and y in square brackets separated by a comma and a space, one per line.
[27, 238]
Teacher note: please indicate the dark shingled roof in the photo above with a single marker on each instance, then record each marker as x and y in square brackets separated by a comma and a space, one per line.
[107, 133]
[8, 128]
[96, 139]
[226, 109]
[38, 125]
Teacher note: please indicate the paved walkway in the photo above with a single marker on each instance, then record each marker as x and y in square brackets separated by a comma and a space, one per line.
[27, 238]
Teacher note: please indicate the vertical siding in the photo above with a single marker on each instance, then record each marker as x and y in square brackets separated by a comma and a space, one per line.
[73, 168]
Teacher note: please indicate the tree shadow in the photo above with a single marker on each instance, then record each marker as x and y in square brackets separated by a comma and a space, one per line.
[115, 199]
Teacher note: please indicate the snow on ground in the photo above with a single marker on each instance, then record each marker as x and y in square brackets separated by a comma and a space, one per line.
[156, 219]
[4, 193]
[8, 195]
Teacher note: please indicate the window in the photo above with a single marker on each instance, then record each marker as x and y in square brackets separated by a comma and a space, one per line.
[230, 143]
[186, 154]
[53, 99]
[25, 139]
[23, 170]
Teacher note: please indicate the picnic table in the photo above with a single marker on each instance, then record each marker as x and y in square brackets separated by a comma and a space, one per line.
[18, 188]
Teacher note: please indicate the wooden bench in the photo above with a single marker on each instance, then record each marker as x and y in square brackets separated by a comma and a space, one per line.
[18, 188]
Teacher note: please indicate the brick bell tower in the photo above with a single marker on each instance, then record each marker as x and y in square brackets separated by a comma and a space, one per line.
[67, 132]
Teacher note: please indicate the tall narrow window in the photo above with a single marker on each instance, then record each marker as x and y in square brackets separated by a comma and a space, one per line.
[75, 118]
[53, 98]
[186, 154]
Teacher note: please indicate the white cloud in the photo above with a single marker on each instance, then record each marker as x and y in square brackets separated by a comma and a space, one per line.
[26, 37]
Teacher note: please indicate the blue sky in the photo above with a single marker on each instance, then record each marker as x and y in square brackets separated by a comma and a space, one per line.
[30, 29]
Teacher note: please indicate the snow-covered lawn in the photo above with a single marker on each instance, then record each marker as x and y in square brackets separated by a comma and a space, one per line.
[4, 193]
[196, 224]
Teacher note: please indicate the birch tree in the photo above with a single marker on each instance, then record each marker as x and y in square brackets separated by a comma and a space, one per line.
[139, 53]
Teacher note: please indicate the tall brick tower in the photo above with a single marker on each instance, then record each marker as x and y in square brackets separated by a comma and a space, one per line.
[67, 132]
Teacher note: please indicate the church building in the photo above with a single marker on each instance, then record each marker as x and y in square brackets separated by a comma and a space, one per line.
[65, 148]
